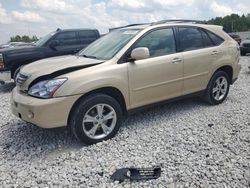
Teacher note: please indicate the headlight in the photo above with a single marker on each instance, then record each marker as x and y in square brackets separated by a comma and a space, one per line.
[1, 61]
[46, 89]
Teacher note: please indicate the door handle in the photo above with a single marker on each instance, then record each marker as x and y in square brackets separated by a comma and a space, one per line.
[176, 60]
[214, 53]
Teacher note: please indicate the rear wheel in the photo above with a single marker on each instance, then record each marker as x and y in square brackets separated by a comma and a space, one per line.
[96, 118]
[218, 88]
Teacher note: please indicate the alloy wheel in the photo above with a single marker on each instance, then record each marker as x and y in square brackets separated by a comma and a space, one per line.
[220, 88]
[99, 121]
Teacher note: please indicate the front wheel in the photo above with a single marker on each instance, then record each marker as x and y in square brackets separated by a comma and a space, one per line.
[96, 118]
[218, 88]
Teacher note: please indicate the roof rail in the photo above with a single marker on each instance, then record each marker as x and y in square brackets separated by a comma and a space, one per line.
[161, 22]
[178, 21]
[130, 25]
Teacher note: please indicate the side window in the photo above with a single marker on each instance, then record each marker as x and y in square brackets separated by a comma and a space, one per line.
[87, 34]
[190, 38]
[66, 38]
[217, 40]
[160, 42]
[206, 39]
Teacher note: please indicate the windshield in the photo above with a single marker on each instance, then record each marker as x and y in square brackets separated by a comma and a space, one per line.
[43, 40]
[106, 47]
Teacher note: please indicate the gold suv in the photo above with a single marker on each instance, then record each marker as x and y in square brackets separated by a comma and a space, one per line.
[129, 68]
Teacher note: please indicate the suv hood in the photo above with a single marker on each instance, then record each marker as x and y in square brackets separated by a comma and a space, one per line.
[52, 67]
[21, 49]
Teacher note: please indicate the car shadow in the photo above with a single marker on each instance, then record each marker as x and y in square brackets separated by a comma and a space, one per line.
[170, 109]
[7, 87]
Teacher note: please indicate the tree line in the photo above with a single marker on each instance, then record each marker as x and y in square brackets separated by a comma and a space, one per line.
[233, 22]
[23, 38]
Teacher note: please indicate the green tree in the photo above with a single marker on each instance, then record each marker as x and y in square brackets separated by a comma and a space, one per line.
[16, 38]
[23, 38]
[233, 22]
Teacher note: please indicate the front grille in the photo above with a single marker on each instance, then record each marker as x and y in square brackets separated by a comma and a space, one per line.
[21, 78]
[246, 45]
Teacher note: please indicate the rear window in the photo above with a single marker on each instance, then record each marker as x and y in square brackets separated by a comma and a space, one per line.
[206, 39]
[216, 39]
[66, 36]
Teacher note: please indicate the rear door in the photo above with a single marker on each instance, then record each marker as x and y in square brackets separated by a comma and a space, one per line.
[199, 53]
[160, 76]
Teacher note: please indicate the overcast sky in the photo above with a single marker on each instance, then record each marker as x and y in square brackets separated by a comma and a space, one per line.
[39, 17]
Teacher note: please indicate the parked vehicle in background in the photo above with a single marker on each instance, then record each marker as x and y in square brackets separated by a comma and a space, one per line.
[235, 37]
[125, 70]
[245, 47]
[248, 59]
[16, 44]
[60, 42]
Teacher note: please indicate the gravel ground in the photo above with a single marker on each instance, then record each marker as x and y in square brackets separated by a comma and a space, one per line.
[175, 136]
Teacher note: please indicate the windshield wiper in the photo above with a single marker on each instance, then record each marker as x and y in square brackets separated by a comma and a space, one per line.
[90, 56]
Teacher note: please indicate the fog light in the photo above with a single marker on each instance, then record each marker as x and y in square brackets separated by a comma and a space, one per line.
[30, 115]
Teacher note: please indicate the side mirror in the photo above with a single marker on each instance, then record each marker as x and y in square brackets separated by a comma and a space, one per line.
[140, 53]
[53, 44]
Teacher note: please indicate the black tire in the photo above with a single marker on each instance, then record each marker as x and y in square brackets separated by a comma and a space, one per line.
[209, 95]
[243, 53]
[84, 106]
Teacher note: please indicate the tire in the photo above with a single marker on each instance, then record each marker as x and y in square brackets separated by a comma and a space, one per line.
[215, 94]
[90, 126]
[243, 53]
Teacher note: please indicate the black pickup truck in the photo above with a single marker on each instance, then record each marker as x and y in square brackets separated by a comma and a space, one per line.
[60, 42]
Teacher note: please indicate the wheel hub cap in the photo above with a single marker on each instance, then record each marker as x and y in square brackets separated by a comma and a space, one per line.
[99, 121]
[220, 88]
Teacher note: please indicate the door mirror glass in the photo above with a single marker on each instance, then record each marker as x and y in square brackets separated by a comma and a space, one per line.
[140, 53]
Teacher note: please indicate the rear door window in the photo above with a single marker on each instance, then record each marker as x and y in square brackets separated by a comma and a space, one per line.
[66, 38]
[190, 38]
[87, 36]
[87, 33]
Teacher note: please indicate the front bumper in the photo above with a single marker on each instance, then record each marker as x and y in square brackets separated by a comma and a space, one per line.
[45, 113]
[5, 76]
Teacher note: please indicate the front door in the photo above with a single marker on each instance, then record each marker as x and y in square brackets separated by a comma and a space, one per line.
[160, 76]
[67, 44]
